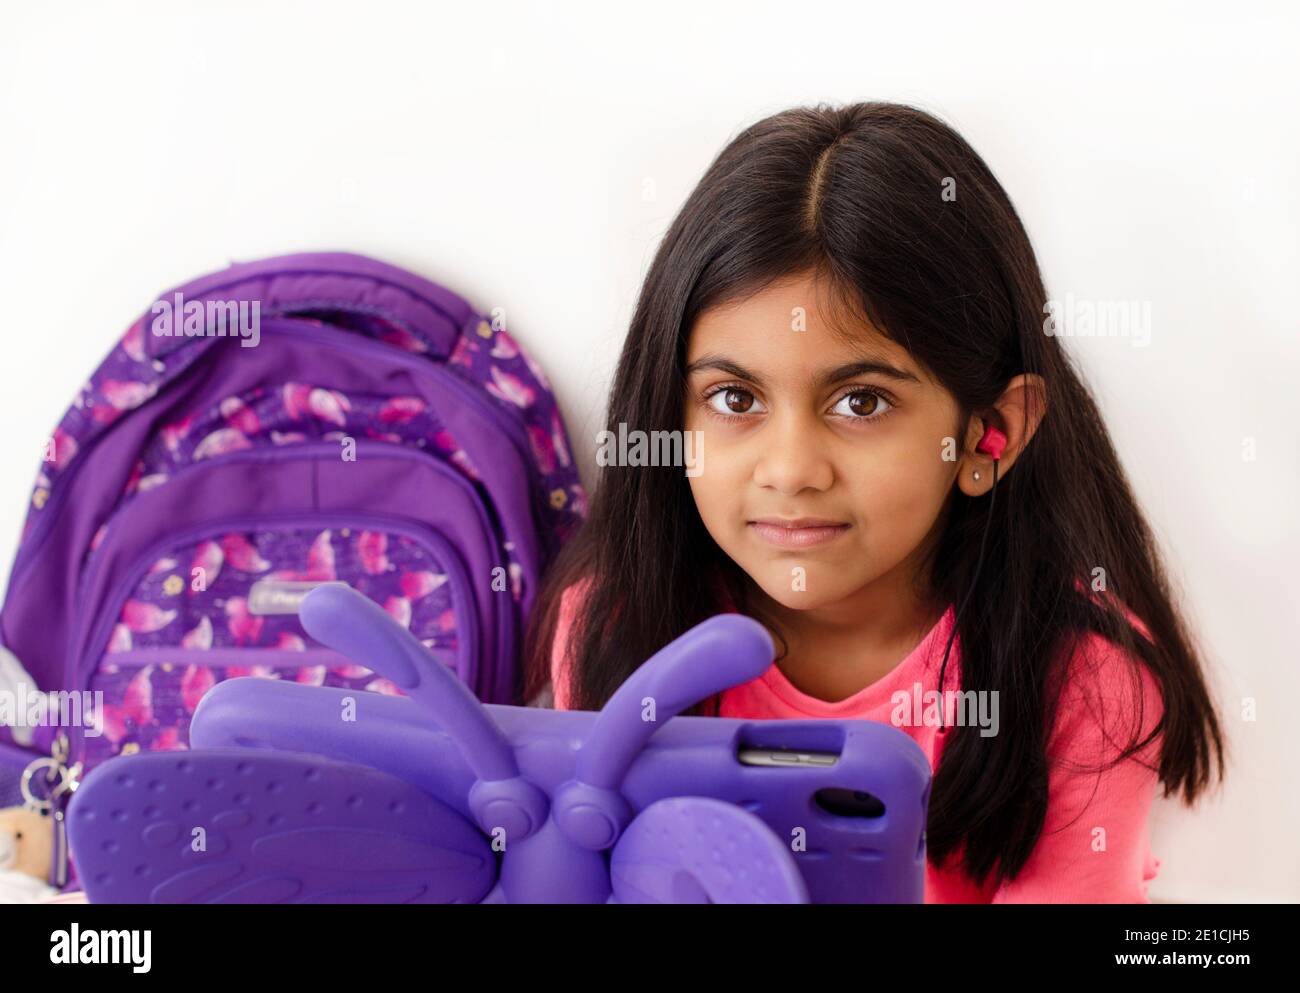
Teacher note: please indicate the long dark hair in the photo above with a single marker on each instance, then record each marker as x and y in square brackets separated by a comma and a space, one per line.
[854, 193]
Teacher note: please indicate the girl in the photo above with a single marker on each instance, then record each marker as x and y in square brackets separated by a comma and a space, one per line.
[842, 308]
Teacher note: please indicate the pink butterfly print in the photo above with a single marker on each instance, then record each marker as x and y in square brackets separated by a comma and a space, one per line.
[403, 339]
[445, 441]
[111, 723]
[104, 414]
[136, 707]
[579, 502]
[384, 686]
[510, 388]
[256, 671]
[399, 410]
[173, 434]
[320, 559]
[199, 636]
[329, 405]
[320, 563]
[504, 346]
[372, 548]
[290, 642]
[162, 565]
[126, 394]
[244, 627]
[137, 482]
[313, 675]
[460, 459]
[416, 585]
[295, 399]
[119, 640]
[396, 439]
[133, 341]
[137, 702]
[220, 442]
[133, 480]
[242, 555]
[463, 353]
[240, 416]
[543, 448]
[146, 618]
[64, 448]
[196, 681]
[350, 671]
[168, 740]
[399, 608]
[209, 557]
[557, 439]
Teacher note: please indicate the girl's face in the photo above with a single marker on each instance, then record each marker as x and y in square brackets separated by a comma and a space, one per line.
[822, 469]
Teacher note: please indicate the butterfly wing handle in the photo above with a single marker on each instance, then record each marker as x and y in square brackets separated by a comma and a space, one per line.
[350, 622]
[719, 653]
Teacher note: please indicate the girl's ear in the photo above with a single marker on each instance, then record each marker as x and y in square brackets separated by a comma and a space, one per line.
[1017, 414]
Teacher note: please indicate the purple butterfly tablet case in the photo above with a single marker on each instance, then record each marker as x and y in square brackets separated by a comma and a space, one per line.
[436, 797]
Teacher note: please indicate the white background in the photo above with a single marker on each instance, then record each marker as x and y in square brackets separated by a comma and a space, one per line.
[530, 156]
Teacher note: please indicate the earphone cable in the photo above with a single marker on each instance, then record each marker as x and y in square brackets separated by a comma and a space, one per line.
[979, 564]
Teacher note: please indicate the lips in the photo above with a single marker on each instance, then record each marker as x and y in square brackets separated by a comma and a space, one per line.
[797, 532]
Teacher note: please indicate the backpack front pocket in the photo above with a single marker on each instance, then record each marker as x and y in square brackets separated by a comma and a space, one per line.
[196, 614]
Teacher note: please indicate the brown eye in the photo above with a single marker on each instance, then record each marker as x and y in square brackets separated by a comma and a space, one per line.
[733, 400]
[862, 405]
[738, 401]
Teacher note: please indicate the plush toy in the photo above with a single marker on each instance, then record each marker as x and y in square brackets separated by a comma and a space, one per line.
[26, 848]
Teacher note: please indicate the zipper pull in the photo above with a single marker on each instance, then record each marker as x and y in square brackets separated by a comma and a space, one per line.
[61, 797]
[47, 785]
[59, 859]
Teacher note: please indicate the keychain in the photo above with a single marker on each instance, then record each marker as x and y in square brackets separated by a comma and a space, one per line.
[47, 785]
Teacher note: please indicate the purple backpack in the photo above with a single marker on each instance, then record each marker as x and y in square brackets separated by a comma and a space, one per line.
[381, 433]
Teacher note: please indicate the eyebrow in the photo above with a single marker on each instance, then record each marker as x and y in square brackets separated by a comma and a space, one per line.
[829, 378]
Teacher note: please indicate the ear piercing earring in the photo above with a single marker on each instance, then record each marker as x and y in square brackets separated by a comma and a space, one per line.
[977, 474]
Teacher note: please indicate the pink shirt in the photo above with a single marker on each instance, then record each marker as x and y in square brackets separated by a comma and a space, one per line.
[1094, 847]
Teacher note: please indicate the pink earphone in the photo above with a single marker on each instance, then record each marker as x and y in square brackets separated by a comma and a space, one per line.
[993, 442]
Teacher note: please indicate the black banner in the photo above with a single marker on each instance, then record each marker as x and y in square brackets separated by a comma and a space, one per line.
[860, 943]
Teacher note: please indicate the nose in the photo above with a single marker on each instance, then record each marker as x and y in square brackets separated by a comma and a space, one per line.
[791, 459]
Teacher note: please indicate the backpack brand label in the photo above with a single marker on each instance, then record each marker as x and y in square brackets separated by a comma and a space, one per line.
[279, 596]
